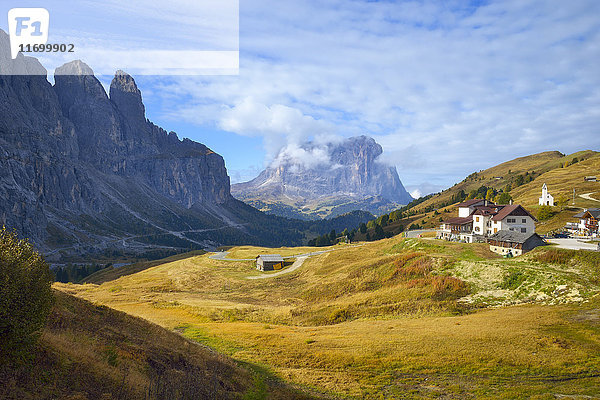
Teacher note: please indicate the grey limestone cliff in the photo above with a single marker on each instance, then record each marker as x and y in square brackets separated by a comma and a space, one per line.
[351, 175]
[80, 168]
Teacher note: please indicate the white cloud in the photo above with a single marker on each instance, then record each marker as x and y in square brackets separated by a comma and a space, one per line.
[278, 124]
[306, 157]
[415, 193]
[446, 88]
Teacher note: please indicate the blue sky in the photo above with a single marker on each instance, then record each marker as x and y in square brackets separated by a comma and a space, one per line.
[446, 87]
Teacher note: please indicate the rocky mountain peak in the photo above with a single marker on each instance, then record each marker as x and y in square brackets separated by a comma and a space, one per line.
[22, 65]
[76, 67]
[127, 97]
[340, 172]
[75, 82]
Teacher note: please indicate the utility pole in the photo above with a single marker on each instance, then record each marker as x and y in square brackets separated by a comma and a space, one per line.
[573, 196]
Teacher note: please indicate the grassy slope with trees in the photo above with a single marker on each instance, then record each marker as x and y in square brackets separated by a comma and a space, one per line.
[519, 180]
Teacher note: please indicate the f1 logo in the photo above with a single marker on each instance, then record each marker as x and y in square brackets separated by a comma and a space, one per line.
[27, 26]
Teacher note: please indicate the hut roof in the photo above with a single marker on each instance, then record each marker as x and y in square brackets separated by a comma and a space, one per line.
[270, 257]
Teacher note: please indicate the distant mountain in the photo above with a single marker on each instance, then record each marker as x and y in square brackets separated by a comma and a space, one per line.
[328, 180]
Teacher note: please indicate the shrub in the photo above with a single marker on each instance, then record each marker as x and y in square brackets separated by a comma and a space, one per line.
[420, 267]
[448, 288]
[555, 256]
[403, 258]
[513, 280]
[25, 296]
[338, 316]
[545, 212]
[585, 258]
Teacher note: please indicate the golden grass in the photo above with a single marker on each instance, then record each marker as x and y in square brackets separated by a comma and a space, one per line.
[378, 319]
[253, 251]
[561, 182]
[97, 353]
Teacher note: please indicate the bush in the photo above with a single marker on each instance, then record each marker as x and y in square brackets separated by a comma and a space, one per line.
[513, 280]
[25, 296]
[418, 268]
[545, 212]
[338, 316]
[449, 288]
[585, 258]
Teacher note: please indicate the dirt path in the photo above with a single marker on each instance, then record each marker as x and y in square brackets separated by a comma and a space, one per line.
[588, 197]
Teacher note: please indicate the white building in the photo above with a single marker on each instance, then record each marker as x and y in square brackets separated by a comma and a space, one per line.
[546, 199]
[513, 218]
[465, 209]
[478, 219]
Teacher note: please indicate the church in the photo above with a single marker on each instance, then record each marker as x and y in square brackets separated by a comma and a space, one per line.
[546, 199]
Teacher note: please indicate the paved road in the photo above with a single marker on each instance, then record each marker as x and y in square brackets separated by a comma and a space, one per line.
[300, 258]
[417, 232]
[222, 254]
[573, 244]
[587, 196]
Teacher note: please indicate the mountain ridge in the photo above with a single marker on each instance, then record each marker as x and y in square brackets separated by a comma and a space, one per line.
[84, 172]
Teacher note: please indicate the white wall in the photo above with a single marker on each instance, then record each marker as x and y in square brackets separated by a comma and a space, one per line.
[479, 227]
[520, 222]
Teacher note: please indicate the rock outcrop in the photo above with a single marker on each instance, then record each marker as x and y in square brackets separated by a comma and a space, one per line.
[80, 169]
[349, 175]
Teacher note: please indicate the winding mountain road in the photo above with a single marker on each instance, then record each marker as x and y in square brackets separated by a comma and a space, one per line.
[300, 258]
[587, 196]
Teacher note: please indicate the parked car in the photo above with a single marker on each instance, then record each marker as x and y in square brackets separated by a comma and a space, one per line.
[561, 235]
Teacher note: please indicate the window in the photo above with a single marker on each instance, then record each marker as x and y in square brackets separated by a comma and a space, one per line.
[524, 221]
[476, 229]
[477, 219]
[511, 220]
[523, 230]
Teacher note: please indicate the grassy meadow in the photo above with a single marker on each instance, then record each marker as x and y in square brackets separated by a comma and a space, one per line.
[252, 251]
[396, 318]
[548, 167]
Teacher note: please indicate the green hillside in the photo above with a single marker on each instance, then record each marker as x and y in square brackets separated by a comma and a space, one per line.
[498, 177]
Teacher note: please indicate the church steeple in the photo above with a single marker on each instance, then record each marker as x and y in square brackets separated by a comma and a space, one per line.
[546, 199]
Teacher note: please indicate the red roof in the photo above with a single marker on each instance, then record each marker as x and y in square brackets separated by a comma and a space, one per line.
[510, 210]
[487, 210]
[459, 221]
